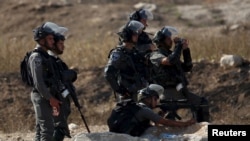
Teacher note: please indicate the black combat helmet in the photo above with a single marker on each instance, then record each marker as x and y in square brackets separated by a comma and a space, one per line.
[42, 31]
[141, 14]
[150, 91]
[166, 31]
[58, 37]
[131, 28]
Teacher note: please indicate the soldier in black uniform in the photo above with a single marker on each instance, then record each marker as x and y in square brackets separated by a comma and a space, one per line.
[41, 96]
[125, 70]
[144, 43]
[169, 71]
[61, 124]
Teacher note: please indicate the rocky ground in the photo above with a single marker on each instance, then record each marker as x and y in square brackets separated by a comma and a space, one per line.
[227, 89]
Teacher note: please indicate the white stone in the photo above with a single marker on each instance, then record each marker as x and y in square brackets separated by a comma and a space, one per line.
[228, 60]
[72, 126]
[148, 6]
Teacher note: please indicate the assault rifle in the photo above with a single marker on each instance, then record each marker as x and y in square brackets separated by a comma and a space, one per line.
[62, 81]
[71, 90]
[67, 76]
[171, 106]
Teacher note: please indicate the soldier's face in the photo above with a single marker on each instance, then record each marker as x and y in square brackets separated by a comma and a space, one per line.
[59, 47]
[49, 41]
[144, 22]
[168, 42]
[135, 38]
[154, 101]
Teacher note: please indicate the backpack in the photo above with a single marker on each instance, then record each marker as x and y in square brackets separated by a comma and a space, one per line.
[24, 69]
[122, 118]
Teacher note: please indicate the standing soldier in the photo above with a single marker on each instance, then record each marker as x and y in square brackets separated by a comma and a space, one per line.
[42, 98]
[169, 71]
[61, 124]
[125, 70]
[144, 43]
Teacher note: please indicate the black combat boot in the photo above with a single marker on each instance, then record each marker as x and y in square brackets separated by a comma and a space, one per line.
[60, 133]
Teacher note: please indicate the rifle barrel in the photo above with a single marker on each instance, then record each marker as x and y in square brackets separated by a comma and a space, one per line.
[86, 125]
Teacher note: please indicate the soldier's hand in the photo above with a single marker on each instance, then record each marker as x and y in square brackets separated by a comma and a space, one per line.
[162, 113]
[185, 43]
[153, 47]
[126, 95]
[54, 102]
[177, 40]
[191, 122]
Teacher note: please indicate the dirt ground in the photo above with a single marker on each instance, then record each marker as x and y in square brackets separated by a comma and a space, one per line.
[227, 90]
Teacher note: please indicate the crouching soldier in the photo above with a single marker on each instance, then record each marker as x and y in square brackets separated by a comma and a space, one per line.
[134, 118]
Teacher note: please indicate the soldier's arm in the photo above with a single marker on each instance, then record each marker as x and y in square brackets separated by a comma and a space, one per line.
[111, 72]
[149, 114]
[158, 59]
[157, 119]
[37, 70]
[173, 58]
[187, 65]
[173, 123]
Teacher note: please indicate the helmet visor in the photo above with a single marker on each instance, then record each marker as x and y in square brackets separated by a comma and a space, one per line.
[169, 31]
[156, 88]
[150, 91]
[146, 14]
[135, 26]
[57, 29]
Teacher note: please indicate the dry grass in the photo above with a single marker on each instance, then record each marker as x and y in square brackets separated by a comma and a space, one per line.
[211, 48]
[82, 54]
[91, 53]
